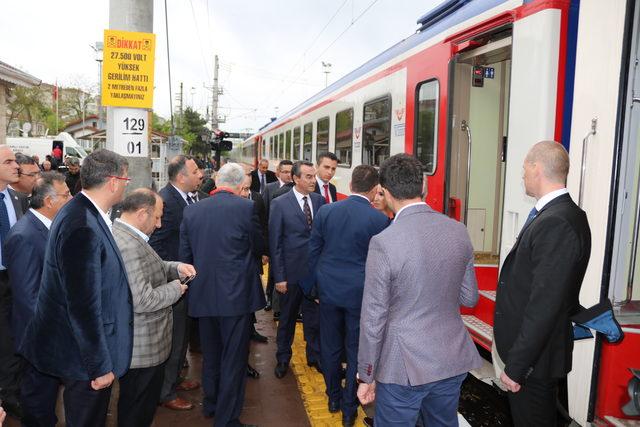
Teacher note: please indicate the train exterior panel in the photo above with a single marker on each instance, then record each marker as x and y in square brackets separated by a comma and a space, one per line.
[469, 94]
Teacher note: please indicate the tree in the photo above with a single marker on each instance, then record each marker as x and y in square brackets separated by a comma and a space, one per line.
[191, 126]
[26, 104]
[160, 124]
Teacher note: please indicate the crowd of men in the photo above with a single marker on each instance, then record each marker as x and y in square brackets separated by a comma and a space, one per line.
[378, 279]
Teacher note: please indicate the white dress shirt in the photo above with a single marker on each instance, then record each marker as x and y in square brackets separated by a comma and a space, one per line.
[134, 229]
[321, 185]
[544, 200]
[405, 207]
[299, 197]
[43, 219]
[182, 193]
[103, 214]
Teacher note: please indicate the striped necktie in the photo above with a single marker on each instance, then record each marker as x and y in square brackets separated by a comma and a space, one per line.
[307, 211]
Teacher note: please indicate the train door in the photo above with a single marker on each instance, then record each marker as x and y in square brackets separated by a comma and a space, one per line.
[478, 143]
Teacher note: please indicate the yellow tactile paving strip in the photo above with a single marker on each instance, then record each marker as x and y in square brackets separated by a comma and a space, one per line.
[312, 388]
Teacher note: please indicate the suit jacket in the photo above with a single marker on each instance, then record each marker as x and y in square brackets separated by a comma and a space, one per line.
[289, 237]
[262, 217]
[82, 327]
[21, 201]
[419, 271]
[268, 195]
[166, 239]
[24, 258]
[221, 237]
[538, 292]
[332, 191]
[343, 228]
[270, 176]
[154, 288]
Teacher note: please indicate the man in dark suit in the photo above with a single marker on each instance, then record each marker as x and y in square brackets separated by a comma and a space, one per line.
[24, 259]
[343, 228]
[184, 178]
[283, 173]
[290, 223]
[29, 173]
[82, 328]
[226, 291]
[262, 176]
[11, 210]
[327, 164]
[538, 290]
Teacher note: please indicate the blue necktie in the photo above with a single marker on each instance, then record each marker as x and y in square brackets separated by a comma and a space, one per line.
[4, 220]
[532, 214]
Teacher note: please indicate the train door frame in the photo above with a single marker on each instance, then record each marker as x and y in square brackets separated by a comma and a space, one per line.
[493, 48]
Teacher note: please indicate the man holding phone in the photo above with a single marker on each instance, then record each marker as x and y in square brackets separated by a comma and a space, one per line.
[155, 286]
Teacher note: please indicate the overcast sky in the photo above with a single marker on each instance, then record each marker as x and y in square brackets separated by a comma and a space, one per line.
[270, 51]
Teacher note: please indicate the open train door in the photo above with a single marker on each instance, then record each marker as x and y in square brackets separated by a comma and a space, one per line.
[506, 79]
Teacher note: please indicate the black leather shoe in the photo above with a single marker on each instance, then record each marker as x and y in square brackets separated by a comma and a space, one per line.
[251, 372]
[368, 421]
[281, 370]
[268, 307]
[349, 421]
[257, 337]
[343, 373]
[299, 318]
[276, 315]
[334, 406]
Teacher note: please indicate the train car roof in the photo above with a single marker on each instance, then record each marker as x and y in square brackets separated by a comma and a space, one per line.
[443, 16]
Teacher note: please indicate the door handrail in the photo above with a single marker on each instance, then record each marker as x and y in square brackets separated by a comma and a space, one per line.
[464, 127]
[583, 171]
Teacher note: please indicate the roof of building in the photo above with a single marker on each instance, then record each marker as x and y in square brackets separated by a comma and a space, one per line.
[14, 76]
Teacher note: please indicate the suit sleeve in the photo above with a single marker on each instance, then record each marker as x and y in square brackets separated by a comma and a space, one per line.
[172, 270]
[80, 268]
[161, 236]
[257, 232]
[185, 251]
[375, 310]
[20, 258]
[554, 252]
[276, 242]
[262, 216]
[316, 241]
[469, 290]
[146, 298]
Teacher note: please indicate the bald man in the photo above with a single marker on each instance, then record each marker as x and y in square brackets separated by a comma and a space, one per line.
[538, 290]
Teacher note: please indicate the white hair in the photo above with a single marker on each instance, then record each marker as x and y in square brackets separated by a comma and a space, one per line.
[230, 175]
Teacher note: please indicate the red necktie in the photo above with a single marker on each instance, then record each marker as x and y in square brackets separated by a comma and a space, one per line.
[326, 193]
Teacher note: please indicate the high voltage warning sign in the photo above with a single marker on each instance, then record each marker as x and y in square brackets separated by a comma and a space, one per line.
[127, 71]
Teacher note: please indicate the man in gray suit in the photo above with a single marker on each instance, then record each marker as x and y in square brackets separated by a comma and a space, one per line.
[155, 286]
[413, 343]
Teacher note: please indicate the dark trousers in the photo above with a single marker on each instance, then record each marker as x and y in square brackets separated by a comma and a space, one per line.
[10, 363]
[437, 402]
[38, 396]
[84, 406]
[535, 403]
[289, 308]
[139, 395]
[174, 363]
[225, 354]
[339, 334]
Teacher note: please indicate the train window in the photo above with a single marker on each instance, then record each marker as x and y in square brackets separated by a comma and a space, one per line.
[322, 136]
[296, 143]
[287, 146]
[272, 153]
[426, 125]
[344, 136]
[306, 142]
[263, 144]
[376, 131]
[281, 146]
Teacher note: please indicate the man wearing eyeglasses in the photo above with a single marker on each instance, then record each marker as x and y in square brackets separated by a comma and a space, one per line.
[28, 174]
[24, 258]
[82, 328]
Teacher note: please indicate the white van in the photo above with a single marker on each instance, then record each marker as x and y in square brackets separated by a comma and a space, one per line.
[44, 145]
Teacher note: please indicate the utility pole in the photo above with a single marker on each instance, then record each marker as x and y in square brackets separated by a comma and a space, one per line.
[327, 70]
[136, 16]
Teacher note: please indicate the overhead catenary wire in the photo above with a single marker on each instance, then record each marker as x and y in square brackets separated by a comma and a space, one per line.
[195, 22]
[322, 53]
[166, 23]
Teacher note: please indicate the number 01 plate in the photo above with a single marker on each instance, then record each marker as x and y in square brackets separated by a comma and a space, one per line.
[131, 136]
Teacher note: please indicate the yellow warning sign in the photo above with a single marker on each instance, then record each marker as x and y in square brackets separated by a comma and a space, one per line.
[127, 69]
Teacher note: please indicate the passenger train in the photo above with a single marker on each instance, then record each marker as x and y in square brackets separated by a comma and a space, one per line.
[477, 84]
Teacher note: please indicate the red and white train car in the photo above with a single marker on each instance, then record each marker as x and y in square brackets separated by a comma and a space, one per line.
[468, 94]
